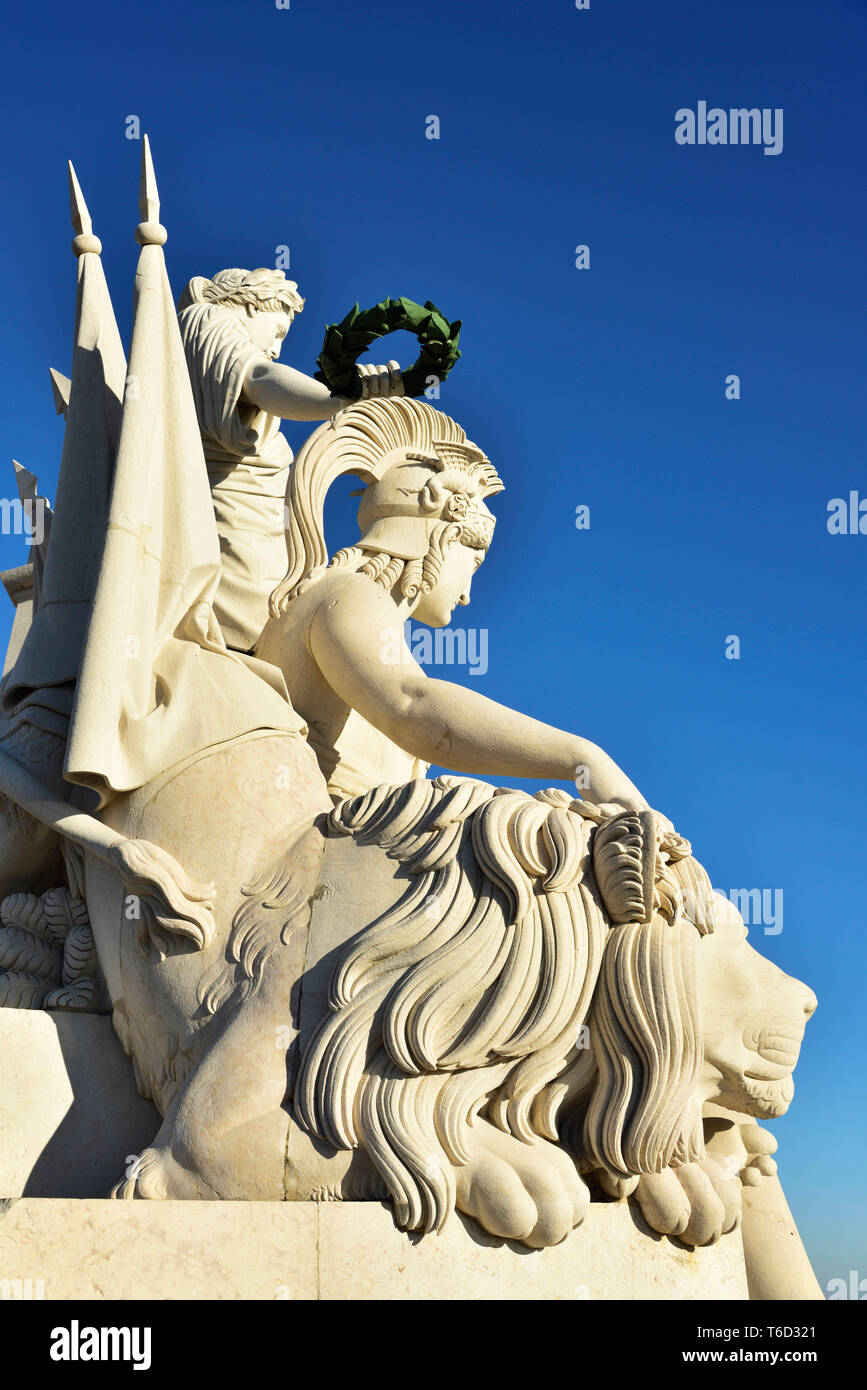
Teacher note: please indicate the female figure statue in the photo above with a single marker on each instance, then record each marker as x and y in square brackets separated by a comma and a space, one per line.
[336, 630]
[232, 329]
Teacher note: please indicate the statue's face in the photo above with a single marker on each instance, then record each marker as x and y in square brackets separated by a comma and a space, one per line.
[269, 329]
[452, 587]
[753, 1017]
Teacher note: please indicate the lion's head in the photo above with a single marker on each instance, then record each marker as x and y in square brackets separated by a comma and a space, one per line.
[753, 1017]
[685, 1013]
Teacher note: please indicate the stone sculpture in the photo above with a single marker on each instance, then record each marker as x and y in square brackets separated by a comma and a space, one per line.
[337, 978]
[232, 329]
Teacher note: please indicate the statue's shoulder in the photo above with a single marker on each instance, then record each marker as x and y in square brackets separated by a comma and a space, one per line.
[326, 593]
[341, 612]
[285, 634]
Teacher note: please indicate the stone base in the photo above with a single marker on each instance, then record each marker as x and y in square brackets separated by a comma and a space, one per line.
[70, 1115]
[338, 1250]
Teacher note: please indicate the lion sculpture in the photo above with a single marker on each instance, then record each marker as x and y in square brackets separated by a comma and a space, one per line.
[528, 1004]
[337, 978]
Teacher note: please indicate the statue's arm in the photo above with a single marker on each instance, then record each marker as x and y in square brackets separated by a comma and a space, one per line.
[355, 639]
[281, 390]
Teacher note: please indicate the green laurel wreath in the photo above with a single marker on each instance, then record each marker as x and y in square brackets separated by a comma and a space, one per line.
[345, 342]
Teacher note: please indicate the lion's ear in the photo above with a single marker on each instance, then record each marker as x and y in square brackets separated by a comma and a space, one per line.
[700, 904]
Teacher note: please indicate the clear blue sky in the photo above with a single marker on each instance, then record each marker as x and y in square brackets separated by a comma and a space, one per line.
[604, 387]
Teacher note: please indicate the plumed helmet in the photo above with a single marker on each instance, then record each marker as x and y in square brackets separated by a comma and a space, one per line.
[447, 484]
[420, 469]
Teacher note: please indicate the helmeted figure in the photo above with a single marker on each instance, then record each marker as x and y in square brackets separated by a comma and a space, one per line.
[424, 508]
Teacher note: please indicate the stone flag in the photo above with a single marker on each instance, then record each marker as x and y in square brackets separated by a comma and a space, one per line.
[157, 683]
[41, 685]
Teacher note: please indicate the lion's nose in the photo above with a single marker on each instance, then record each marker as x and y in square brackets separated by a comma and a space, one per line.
[810, 1001]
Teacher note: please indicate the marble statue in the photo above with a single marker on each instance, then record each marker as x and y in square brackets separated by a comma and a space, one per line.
[337, 978]
[232, 328]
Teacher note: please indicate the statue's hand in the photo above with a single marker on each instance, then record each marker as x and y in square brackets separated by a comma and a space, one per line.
[608, 809]
[600, 811]
[380, 381]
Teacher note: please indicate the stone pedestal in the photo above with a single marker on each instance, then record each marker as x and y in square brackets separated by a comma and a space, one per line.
[338, 1250]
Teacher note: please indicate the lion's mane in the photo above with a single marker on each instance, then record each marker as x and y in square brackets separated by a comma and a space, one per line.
[469, 993]
[469, 996]
[638, 1108]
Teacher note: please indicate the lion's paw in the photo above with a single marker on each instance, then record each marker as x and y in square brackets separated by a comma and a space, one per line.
[697, 1202]
[526, 1192]
[156, 1176]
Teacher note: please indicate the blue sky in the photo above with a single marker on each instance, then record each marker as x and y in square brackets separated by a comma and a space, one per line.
[604, 387]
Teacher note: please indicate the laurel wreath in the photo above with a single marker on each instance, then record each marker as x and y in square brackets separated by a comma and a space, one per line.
[345, 342]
